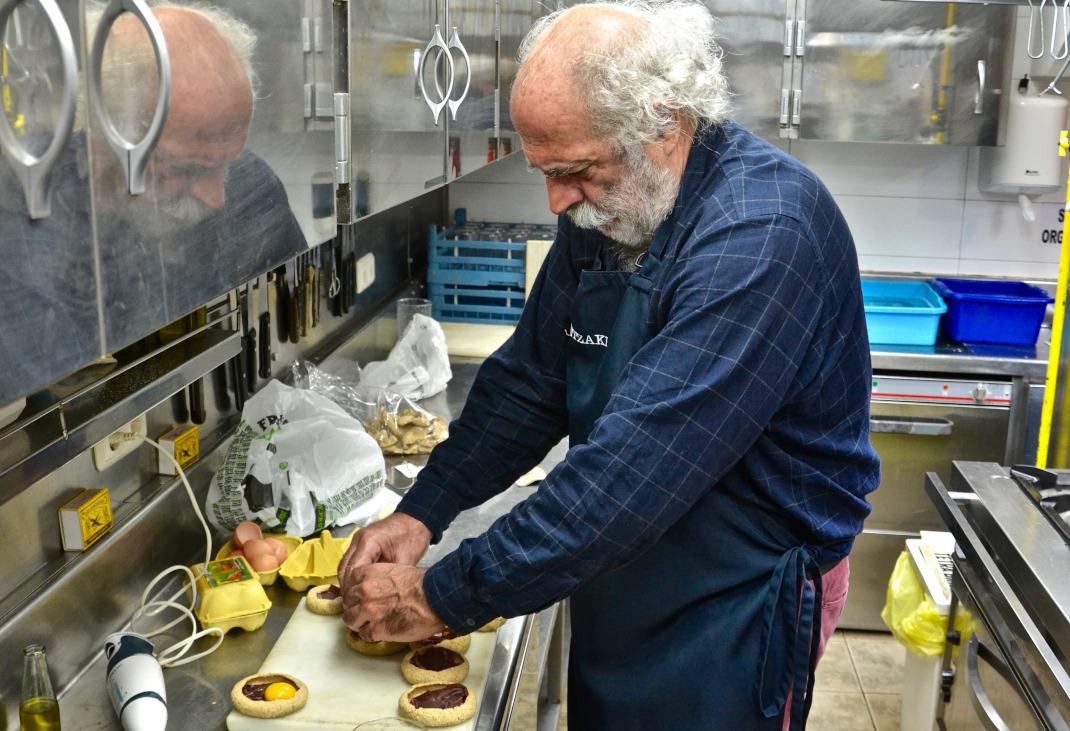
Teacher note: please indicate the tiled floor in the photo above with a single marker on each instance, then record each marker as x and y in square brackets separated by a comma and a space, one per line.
[856, 689]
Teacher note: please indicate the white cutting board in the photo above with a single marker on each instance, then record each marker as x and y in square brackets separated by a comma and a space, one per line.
[470, 340]
[344, 687]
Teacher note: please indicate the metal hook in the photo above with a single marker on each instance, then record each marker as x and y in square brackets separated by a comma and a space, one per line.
[1029, 46]
[1065, 14]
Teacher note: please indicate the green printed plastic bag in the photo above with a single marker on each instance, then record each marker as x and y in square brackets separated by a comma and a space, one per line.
[912, 616]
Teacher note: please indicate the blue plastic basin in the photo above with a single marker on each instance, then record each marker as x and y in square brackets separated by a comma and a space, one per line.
[988, 311]
[901, 313]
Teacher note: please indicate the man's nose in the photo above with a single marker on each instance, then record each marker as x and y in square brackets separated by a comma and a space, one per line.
[209, 190]
[562, 195]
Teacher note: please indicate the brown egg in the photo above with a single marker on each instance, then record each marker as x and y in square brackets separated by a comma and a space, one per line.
[246, 532]
[279, 548]
[260, 555]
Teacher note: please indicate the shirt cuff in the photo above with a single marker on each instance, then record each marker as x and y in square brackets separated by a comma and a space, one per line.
[454, 600]
[432, 506]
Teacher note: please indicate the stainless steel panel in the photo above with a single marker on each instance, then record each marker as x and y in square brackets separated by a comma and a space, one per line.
[515, 19]
[397, 150]
[48, 284]
[901, 72]
[215, 213]
[872, 560]
[752, 34]
[475, 88]
[977, 433]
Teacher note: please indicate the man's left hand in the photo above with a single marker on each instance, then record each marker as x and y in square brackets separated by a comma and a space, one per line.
[385, 601]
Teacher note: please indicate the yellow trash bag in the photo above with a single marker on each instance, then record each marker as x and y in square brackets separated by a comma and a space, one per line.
[912, 616]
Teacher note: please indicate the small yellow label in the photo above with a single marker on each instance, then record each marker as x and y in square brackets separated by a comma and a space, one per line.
[95, 517]
[187, 447]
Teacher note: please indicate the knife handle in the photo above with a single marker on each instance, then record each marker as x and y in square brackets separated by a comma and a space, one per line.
[250, 361]
[265, 345]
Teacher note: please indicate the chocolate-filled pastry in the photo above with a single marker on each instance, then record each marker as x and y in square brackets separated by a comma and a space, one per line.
[492, 625]
[324, 599]
[446, 638]
[434, 664]
[376, 649]
[438, 704]
[268, 695]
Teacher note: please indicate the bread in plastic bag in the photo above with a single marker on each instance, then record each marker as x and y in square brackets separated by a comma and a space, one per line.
[912, 616]
[298, 462]
[398, 425]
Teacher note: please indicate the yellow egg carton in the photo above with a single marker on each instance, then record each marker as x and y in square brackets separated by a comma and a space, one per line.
[229, 595]
[267, 578]
[315, 562]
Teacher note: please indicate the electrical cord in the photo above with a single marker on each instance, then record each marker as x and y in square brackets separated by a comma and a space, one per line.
[175, 655]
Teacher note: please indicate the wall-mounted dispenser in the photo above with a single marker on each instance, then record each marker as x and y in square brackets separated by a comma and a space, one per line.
[1028, 165]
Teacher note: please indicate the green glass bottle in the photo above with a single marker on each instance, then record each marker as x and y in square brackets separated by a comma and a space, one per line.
[38, 708]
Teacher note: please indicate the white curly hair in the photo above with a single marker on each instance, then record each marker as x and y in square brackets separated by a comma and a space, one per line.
[644, 82]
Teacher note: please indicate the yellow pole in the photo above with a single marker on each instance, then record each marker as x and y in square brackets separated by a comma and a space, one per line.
[939, 116]
[1047, 419]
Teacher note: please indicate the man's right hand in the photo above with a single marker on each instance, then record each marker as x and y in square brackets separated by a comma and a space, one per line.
[397, 538]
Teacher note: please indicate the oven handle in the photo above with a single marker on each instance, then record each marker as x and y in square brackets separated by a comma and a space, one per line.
[915, 427]
[982, 704]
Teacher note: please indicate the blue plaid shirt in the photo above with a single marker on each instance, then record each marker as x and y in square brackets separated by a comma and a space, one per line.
[755, 380]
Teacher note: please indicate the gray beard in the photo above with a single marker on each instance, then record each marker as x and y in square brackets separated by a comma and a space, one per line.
[631, 211]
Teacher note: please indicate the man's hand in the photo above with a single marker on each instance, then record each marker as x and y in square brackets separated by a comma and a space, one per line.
[397, 538]
[385, 601]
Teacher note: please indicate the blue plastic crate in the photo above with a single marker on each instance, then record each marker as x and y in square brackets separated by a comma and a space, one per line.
[458, 303]
[475, 271]
[901, 313]
[987, 311]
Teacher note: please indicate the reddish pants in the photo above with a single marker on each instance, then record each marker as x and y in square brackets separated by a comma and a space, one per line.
[834, 595]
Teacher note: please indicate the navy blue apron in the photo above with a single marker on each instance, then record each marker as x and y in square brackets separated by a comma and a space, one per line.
[713, 624]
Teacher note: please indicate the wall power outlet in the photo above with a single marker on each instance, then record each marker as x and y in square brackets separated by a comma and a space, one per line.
[365, 272]
[111, 449]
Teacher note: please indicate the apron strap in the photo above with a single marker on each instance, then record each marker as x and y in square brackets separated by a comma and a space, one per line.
[793, 595]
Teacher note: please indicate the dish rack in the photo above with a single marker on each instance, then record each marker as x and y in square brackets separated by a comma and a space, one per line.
[476, 270]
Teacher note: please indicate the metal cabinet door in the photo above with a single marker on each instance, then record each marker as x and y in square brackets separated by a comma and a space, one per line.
[756, 38]
[902, 72]
[397, 150]
[516, 18]
[473, 107]
[203, 210]
[48, 294]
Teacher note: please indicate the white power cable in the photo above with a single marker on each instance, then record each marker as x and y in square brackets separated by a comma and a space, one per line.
[174, 655]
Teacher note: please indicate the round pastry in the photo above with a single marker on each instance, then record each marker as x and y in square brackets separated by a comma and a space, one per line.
[446, 638]
[375, 649]
[438, 704]
[434, 665]
[324, 599]
[492, 625]
[268, 695]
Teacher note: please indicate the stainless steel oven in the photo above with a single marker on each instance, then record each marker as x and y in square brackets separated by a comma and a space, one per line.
[918, 425]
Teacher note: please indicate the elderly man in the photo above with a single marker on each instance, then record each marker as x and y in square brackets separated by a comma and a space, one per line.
[719, 456]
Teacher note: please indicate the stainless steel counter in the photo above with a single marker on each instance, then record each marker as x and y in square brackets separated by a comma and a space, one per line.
[198, 692]
[1030, 363]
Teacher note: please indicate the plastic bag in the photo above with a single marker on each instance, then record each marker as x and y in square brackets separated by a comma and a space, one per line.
[297, 462]
[418, 365]
[397, 425]
[912, 616]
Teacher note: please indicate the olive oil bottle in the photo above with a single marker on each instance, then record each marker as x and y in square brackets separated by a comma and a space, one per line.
[38, 708]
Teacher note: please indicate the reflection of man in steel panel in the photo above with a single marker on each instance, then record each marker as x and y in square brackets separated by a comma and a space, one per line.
[213, 214]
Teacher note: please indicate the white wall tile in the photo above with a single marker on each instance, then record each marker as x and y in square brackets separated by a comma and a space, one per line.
[1019, 269]
[907, 264]
[502, 202]
[997, 231]
[908, 171]
[912, 227]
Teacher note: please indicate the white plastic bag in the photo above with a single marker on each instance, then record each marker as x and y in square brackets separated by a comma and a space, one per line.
[418, 365]
[298, 462]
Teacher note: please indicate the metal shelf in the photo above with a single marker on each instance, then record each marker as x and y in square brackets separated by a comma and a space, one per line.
[38, 444]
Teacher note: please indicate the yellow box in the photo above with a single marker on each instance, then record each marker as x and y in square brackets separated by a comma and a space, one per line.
[229, 595]
[85, 518]
[184, 444]
[315, 562]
